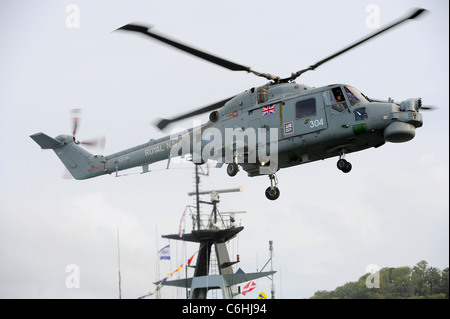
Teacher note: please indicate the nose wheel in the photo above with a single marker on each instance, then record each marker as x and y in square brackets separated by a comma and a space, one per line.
[272, 192]
[343, 164]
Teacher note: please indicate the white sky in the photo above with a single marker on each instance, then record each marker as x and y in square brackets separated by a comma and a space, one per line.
[327, 227]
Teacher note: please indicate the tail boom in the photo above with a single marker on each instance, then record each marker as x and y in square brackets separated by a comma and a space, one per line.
[80, 163]
[83, 165]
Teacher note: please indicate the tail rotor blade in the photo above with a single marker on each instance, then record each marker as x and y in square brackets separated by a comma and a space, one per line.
[75, 120]
[96, 142]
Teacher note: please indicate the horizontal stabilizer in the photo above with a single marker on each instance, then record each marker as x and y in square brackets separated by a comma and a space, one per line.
[45, 141]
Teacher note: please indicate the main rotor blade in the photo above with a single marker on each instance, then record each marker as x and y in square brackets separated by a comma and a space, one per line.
[200, 54]
[411, 16]
[164, 122]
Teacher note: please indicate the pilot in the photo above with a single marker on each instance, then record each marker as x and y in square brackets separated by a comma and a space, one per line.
[340, 105]
[353, 99]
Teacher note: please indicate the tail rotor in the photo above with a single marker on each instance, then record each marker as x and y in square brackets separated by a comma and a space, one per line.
[98, 142]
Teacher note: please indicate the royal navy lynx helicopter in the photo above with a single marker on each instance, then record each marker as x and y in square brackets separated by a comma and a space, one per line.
[277, 125]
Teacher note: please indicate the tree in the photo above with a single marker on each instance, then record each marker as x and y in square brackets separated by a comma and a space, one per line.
[321, 294]
[444, 284]
[418, 279]
[396, 283]
[433, 279]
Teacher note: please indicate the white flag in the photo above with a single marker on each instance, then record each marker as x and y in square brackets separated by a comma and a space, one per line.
[164, 253]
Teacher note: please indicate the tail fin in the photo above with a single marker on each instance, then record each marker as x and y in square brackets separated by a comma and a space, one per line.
[45, 141]
[80, 163]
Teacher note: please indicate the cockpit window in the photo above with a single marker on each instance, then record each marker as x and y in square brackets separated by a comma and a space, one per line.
[353, 95]
[328, 97]
[335, 99]
[360, 114]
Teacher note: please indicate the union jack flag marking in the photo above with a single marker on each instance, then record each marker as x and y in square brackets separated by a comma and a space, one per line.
[269, 109]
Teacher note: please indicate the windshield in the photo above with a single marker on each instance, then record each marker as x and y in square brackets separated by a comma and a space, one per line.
[354, 96]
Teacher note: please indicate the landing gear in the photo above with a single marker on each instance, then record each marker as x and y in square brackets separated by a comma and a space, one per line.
[232, 169]
[343, 165]
[272, 192]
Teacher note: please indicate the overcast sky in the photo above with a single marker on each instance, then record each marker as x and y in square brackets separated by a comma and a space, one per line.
[391, 210]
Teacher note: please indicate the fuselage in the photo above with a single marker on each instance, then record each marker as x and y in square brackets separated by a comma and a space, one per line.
[273, 126]
[315, 123]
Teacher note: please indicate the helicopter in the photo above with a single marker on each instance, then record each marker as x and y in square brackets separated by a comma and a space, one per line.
[263, 129]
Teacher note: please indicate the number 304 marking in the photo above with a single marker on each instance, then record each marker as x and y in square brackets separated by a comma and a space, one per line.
[315, 123]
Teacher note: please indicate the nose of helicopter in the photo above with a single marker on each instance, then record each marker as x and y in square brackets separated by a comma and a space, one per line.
[399, 132]
[404, 122]
[411, 105]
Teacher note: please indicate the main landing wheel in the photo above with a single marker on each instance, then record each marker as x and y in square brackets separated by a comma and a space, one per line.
[344, 166]
[272, 193]
[232, 169]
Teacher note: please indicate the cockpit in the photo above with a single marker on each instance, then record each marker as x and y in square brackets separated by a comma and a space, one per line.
[353, 95]
[340, 97]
